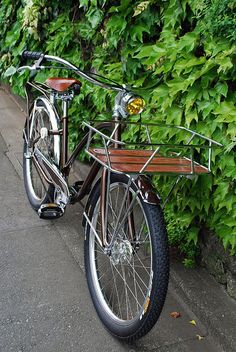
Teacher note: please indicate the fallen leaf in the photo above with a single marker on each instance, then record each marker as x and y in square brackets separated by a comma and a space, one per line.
[175, 315]
[200, 337]
[193, 322]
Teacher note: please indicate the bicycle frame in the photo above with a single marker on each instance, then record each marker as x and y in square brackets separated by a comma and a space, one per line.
[147, 191]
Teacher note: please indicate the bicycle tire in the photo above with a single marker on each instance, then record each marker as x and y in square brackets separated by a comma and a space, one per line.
[41, 115]
[147, 312]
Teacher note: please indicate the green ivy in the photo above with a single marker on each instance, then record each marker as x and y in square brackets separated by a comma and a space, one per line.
[190, 43]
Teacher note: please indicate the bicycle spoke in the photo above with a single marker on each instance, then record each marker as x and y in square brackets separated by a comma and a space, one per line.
[116, 290]
[137, 256]
[129, 209]
[124, 272]
[135, 284]
[115, 285]
[126, 292]
[139, 277]
[127, 286]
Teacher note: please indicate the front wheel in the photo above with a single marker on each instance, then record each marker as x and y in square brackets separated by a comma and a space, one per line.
[128, 282]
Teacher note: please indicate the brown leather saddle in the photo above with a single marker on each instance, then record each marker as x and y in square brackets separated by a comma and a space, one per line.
[63, 84]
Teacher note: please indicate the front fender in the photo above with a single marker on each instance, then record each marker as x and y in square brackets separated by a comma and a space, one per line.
[147, 191]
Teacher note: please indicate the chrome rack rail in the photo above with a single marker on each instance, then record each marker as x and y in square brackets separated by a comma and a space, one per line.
[150, 157]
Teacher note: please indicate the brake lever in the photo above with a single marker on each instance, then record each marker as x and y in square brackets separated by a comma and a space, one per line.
[22, 68]
[36, 66]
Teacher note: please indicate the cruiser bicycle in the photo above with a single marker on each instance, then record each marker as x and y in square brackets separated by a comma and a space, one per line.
[125, 247]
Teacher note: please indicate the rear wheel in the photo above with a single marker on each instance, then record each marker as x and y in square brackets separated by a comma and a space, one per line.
[42, 119]
[128, 282]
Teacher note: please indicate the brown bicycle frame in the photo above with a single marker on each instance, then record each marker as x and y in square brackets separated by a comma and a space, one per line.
[67, 162]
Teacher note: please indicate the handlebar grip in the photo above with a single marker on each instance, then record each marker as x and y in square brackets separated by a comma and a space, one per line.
[32, 55]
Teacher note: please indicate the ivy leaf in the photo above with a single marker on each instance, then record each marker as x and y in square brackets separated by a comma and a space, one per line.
[192, 95]
[226, 111]
[136, 32]
[229, 221]
[83, 3]
[231, 145]
[156, 51]
[206, 106]
[115, 27]
[141, 7]
[193, 235]
[228, 203]
[231, 131]
[188, 41]
[124, 6]
[190, 116]
[13, 35]
[225, 64]
[174, 115]
[228, 237]
[94, 16]
[222, 189]
[222, 88]
[227, 160]
[229, 171]
[10, 71]
[178, 85]
[188, 63]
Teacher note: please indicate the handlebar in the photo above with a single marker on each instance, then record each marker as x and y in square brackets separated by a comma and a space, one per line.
[33, 55]
[40, 57]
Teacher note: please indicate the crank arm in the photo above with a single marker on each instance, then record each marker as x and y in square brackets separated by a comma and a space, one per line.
[52, 174]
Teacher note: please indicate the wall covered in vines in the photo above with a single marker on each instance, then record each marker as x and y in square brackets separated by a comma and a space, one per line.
[189, 42]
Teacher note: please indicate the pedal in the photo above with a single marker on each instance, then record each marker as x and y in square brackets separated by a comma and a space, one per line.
[50, 211]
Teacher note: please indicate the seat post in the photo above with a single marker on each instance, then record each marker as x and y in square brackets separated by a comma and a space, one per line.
[64, 154]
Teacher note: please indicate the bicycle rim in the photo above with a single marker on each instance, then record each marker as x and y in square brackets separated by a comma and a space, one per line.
[123, 280]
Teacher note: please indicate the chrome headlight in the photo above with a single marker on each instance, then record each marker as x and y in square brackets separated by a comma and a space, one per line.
[129, 104]
[135, 105]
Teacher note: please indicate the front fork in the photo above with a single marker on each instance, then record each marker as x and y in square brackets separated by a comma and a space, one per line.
[104, 203]
[143, 188]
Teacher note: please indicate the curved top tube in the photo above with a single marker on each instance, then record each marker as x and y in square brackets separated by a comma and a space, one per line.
[41, 57]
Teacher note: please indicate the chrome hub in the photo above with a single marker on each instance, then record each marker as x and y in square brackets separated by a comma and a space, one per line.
[121, 252]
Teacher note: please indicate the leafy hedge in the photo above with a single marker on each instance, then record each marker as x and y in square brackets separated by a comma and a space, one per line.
[189, 42]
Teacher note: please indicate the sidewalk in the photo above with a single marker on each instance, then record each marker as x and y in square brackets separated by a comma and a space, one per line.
[44, 301]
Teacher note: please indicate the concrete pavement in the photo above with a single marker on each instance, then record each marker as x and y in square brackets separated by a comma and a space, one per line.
[44, 300]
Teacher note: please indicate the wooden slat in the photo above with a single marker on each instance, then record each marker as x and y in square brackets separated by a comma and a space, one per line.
[132, 161]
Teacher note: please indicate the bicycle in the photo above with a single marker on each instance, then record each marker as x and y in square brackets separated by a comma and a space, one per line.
[126, 246]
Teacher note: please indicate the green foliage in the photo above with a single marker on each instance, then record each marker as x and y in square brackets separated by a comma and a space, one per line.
[177, 227]
[189, 42]
[219, 19]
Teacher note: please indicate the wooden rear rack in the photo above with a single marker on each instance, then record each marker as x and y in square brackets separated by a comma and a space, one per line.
[132, 161]
[149, 157]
